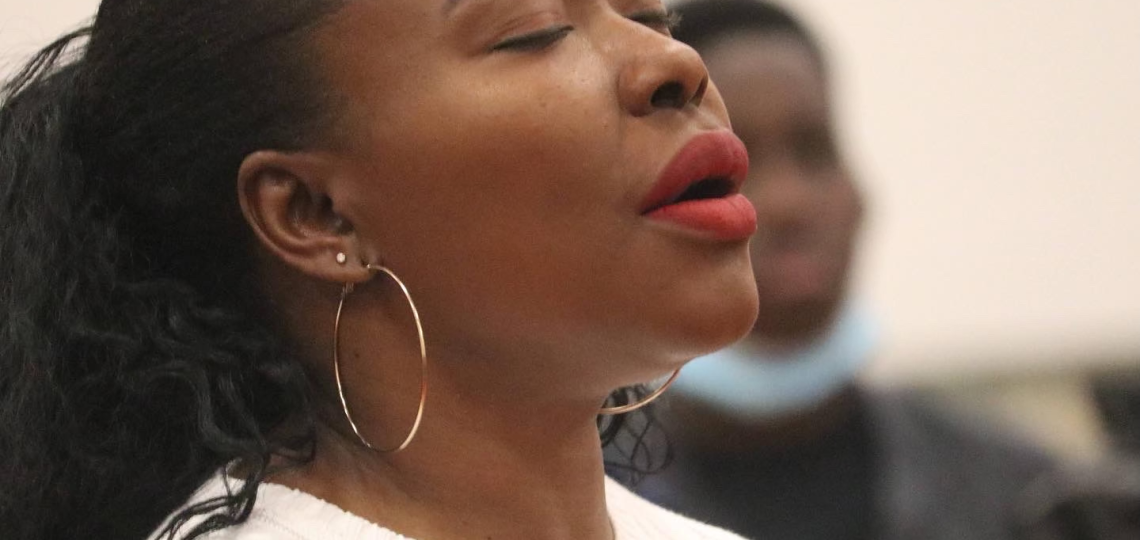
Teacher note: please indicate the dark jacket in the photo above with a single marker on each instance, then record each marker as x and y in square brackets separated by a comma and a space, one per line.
[903, 469]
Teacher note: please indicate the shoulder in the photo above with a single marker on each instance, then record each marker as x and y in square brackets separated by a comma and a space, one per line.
[1090, 500]
[912, 423]
[635, 518]
[947, 474]
[282, 513]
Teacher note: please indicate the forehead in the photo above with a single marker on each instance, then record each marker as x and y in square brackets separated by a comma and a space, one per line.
[770, 74]
[775, 55]
[389, 17]
[378, 36]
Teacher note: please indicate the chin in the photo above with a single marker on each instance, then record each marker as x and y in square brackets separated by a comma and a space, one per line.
[716, 315]
[731, 321]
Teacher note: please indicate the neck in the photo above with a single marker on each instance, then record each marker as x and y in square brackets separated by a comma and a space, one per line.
[463, 474]
[494, 457]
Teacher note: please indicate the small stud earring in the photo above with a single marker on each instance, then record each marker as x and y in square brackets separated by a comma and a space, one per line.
[341, 258]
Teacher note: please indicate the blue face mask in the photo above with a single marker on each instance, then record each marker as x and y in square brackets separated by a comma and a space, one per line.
[749, 383]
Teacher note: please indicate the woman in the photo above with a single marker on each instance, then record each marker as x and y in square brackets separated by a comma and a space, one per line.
[229, 227]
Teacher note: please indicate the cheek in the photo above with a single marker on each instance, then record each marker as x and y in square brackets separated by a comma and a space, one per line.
[502, 139]
[837, 230]
[514, 186]
[844, 211]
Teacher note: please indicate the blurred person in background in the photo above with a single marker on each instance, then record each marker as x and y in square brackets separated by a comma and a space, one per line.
[1101, 502]
[1117, 396]
[774, 438]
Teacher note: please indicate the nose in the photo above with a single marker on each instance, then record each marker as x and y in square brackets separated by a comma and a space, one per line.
[662, 75]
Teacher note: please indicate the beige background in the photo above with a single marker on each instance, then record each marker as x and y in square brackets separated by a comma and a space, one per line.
[1000, 146]
[27, 26]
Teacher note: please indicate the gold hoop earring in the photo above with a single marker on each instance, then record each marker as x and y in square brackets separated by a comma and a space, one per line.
[347, 290]
[622, 409]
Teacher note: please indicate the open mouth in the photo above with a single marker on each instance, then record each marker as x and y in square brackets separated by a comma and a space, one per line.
[699, 189]
[709, 188]
[711, 166]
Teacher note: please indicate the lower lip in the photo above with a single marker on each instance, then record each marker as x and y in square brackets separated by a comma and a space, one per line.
[727, 219]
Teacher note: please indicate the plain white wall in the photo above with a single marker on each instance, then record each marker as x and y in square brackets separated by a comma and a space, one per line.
[27, 26]
[999, 143]
[1000, 146]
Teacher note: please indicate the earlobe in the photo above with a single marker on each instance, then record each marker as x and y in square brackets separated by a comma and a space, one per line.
[284, 199]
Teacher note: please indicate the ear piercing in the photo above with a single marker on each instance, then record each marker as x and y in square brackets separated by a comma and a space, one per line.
[341, 258]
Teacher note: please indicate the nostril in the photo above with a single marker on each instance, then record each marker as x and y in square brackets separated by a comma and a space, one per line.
[670, 95]
[699, 95]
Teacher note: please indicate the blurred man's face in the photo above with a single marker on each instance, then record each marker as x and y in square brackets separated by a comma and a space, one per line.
[809, 210]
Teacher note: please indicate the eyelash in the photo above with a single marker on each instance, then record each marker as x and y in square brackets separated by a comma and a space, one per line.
[662, 20]
[533, 41]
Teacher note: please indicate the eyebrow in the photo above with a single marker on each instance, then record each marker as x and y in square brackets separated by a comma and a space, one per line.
[449, 6]
[452, 7]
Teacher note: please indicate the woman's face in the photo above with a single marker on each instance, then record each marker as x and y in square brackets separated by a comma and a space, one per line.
[503, 152]
[808, 207]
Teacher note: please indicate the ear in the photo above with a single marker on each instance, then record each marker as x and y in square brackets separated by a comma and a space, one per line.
[284, 198]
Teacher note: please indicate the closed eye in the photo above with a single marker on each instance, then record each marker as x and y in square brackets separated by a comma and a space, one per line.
[662, 20]
[533, 41]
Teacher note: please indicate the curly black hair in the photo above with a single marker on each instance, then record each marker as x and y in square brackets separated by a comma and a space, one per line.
[137, 357]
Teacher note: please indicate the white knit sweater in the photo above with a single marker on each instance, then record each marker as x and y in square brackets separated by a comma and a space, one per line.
[283, 513]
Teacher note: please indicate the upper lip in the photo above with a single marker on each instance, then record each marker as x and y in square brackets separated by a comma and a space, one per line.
[709, 155]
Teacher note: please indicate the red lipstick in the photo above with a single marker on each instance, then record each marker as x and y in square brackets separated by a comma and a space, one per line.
[699, 189]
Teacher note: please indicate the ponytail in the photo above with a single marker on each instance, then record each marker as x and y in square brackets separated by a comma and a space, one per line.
[121, 389]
